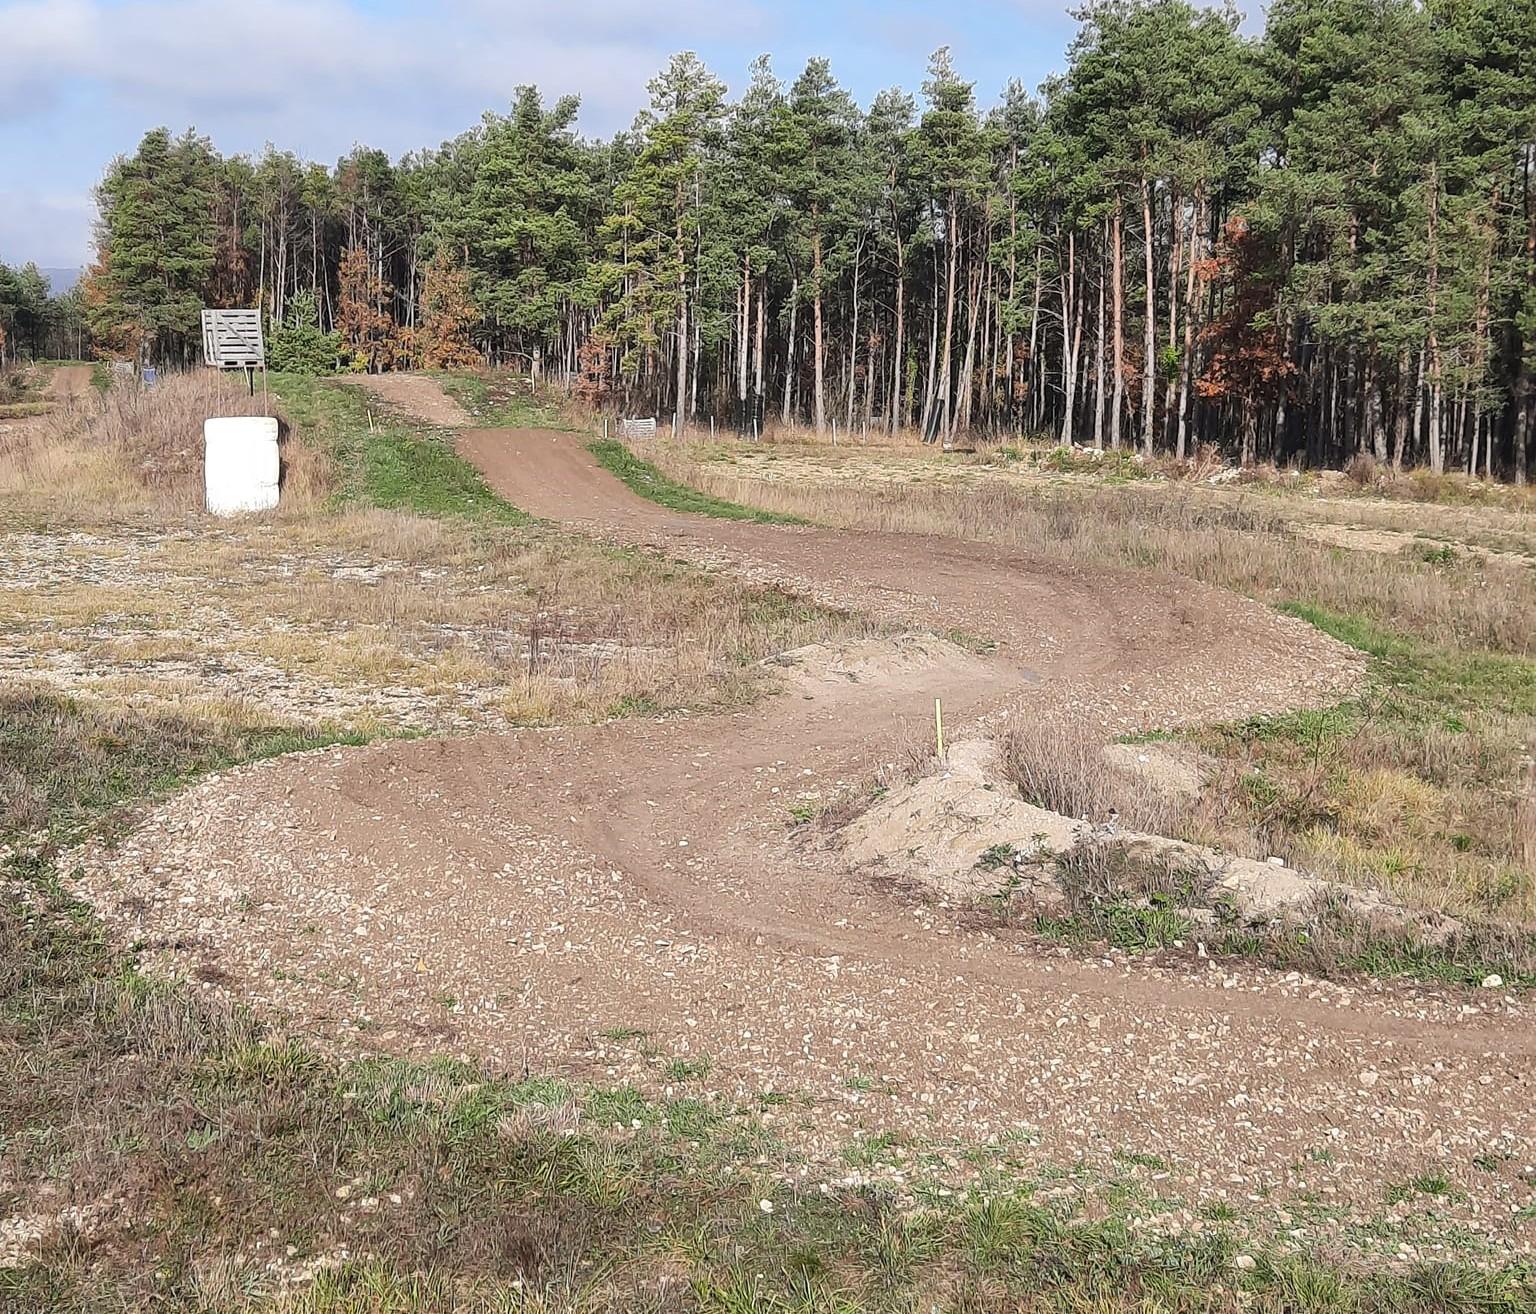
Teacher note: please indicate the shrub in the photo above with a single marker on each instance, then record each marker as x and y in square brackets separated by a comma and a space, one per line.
[297, 346]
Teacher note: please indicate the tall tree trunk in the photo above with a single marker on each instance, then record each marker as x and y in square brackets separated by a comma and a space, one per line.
[896, 415]
[1175, 256]
[1400, 419]
[1187, 358]
[818, 345]
[759, 409]
[682, 320]
[1436, 452]
[1098, 349]
[1149, 335]
[962, 415]
[1117, 403]
[1032, 375]
[853, 336]
[931, 388]
[1071, 341]
[743, 330]
[789, 349]
[946, 396]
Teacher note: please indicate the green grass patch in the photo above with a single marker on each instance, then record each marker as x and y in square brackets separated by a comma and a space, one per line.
[387, 462]
[1424, 677]
[503, 401]
[644, 478]
[64, 763]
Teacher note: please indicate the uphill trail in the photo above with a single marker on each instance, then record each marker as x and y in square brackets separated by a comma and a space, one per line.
[518, 897]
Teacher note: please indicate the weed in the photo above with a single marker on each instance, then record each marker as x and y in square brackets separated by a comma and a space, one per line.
[682, 1069]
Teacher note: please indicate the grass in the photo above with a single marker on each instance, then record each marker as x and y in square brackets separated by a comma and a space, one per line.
[63, 762]
[388, 462]
[1421, 787]
[644, 478]
[503, 400]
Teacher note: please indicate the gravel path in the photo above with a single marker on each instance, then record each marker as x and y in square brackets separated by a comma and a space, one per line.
[599, 901]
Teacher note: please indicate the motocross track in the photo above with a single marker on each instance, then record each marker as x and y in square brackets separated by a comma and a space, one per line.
[516, 896]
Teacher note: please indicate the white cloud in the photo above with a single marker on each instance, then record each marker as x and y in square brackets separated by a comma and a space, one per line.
[46, 228]
[330, 71]
[81, 80]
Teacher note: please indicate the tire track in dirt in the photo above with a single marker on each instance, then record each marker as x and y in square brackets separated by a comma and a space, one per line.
[559, 883]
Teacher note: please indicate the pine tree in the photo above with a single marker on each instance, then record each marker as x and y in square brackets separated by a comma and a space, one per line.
[156, 246]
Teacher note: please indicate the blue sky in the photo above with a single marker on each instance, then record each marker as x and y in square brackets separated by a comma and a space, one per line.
[82, 80]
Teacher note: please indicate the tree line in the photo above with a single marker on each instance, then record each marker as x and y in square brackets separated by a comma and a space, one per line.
[34, 323]
[1305, 245]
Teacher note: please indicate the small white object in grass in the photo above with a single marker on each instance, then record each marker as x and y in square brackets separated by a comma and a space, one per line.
[766, 1206]
[1246, 1262]
[240, 464]
[1492, 981]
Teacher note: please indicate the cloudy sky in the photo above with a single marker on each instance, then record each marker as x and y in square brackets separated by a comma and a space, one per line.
[81, 80]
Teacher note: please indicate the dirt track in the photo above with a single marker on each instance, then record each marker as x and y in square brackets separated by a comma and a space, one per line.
[516, 896]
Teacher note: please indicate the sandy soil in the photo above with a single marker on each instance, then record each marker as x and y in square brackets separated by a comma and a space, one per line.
[586, 900]
[69, 381]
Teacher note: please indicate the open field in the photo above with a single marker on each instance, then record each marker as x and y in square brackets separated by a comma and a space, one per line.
[589, 1013]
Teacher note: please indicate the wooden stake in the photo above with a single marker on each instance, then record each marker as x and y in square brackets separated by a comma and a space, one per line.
[938, 725]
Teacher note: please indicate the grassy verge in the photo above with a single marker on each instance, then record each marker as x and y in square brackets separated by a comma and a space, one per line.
[644, 478]
[390, 463]
[208, 1165]
[64, 763]
[502, 401]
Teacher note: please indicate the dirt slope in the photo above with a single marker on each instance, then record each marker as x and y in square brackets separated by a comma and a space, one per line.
[518, 896]
[69, 381]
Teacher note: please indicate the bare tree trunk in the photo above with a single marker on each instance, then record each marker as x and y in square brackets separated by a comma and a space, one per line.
[1032, 377]
[1187, 364]
[758, 408]
[1098, 350]
[1117, 404]
[789, 350]
[1436, 452]
[1400, 419]
[1175, 255]
[931, 387]
[1149, 335]
[896, 415]
[682, 319]
[819, 365]
[743, 351]
[1071, 341]
[947, 417]
[962, 413]
[853, 336]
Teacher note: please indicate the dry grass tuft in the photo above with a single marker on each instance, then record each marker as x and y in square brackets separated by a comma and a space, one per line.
[1060, 766]
[136, 450]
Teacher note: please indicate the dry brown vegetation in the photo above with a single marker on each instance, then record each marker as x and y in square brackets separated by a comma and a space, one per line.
[1422, 787]
[1245, 543]
[350, 616]
[131, 451]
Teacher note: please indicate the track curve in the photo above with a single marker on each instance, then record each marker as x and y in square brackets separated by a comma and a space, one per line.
[563, 883]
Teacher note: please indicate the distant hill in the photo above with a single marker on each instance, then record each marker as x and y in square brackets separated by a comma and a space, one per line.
[61, 280]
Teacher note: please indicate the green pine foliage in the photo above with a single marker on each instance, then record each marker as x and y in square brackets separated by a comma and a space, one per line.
[1315, 245]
